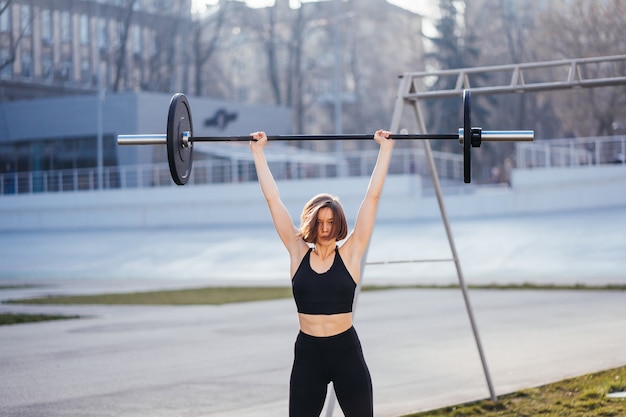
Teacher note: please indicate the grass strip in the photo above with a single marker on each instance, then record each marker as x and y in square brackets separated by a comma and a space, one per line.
[192, 296]
[17, 318]
[584, 396]
[16, 287]
[225, 295]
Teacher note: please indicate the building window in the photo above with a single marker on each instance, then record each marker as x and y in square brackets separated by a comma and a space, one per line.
[6, 63]
[66, 26]
[26, 20]
[65, 71]
[46, 26]
[102, 34]
[5, 20]
[118, 34]
[136, 36]
[152, 44]
[84, 29]
[46, 67]
[85, 72]
[27, 64]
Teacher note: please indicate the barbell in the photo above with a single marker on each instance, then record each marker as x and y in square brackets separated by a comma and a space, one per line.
[179, 138]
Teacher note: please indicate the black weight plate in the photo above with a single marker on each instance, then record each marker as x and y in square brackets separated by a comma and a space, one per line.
[467, 137]
[179, 157]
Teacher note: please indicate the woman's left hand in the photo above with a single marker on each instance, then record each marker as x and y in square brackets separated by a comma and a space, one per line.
[257, 140]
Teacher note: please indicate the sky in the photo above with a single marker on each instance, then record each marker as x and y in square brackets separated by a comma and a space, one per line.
[425, 8]
[413, 5]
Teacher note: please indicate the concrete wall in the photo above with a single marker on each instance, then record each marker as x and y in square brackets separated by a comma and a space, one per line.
[532, 191]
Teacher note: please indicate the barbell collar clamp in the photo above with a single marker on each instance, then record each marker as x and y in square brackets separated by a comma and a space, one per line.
[186, 138]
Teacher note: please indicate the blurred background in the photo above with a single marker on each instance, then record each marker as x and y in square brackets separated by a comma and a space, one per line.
[310, 67]
[76, 73]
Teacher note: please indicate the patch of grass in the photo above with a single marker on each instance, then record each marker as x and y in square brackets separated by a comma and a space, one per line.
[194, 296]
[584, 396]
[16, 287]
[16, 318]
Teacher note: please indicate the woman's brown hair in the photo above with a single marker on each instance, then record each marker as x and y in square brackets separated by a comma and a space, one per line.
[308, 219]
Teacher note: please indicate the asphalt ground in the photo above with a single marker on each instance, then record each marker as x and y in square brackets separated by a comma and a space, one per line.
[234, 360]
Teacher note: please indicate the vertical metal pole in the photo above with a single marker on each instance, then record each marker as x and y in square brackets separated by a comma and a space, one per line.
[444, 216]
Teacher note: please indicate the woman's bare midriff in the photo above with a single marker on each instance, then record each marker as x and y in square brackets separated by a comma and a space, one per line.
[320, 325]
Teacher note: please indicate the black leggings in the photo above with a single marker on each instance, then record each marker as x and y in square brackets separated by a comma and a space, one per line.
[320, 360]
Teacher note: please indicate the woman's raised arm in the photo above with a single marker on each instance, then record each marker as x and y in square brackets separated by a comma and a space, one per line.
[364, 224]
[283, 223]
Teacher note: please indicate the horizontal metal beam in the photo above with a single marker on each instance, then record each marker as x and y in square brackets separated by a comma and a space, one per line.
[522, 78]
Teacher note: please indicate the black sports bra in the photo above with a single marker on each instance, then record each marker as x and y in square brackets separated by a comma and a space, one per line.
[331, 292]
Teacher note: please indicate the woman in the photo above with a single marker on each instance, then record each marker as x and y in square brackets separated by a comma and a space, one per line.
[324, 278]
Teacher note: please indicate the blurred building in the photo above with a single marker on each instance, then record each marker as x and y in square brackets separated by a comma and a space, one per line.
[58, 134]
[325, 67]
[60, 47]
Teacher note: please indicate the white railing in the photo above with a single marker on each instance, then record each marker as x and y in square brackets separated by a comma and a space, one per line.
[571, 152]
[541, 153]
[359, 163]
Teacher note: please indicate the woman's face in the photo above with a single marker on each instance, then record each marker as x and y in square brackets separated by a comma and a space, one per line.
[325, 225]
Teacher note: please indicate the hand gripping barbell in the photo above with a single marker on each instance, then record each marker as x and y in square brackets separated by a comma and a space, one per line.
[179, 138]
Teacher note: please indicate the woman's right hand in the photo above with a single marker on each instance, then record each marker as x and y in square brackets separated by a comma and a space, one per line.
[258, 140]
[382, 137]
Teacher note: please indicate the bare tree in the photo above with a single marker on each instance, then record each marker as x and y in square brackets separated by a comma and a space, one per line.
[272, 44]
[10, 58]
[507, 39]
[124, 30]
[14, 41]
[265, 26]
[207, 32]
[295, 86]
[579, 29]
[455, 46]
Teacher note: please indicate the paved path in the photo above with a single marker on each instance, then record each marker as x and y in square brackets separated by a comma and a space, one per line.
[234, 360]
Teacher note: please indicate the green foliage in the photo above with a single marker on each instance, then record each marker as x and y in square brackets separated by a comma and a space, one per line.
[14, 318]
[193, 296]
[225, 295]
